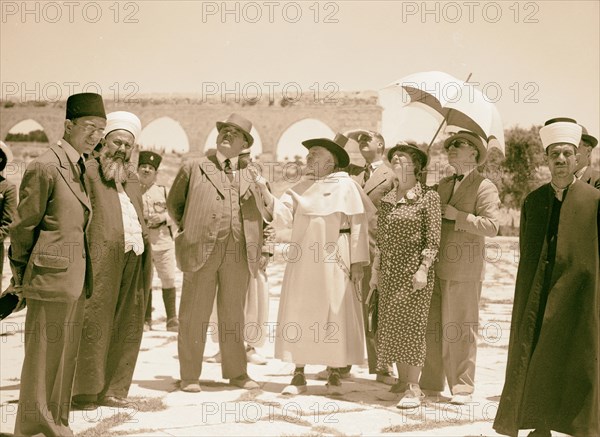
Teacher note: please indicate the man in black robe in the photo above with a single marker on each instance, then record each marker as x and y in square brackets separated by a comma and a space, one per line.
[552, 371]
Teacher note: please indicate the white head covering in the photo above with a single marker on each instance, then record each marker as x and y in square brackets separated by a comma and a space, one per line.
[560, 130]
[123, 120]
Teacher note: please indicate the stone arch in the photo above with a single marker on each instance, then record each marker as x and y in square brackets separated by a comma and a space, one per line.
[290, 140]
[164, 135]
[30, 124]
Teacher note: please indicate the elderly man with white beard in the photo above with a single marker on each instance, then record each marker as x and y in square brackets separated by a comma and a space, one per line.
[121, 262]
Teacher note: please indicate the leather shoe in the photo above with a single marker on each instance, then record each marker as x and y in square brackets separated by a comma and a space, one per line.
[113, 401]
[244, 381]
[83, 405]
[190, 387]
[461, 399]
[538, 432]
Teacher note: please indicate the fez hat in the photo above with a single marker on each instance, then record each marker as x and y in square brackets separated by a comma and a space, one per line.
[472, 138]
[85, 105]
[150, 158]
[587, 137]
[402, 146]
[335, 146]
[241, 123]
[123, 120]
[560, 130]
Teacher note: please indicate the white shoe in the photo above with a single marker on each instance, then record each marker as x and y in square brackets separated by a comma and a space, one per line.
[254, 357]
[461, 399]
[412, 398]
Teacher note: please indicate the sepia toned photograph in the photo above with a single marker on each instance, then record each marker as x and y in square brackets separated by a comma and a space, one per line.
[299, 218]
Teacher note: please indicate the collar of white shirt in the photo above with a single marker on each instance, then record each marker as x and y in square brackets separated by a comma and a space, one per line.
[221, 158]
[72, 154]
[375, 165]
[466, 175]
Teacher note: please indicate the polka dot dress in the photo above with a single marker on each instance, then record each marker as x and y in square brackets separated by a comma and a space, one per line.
[405, 230]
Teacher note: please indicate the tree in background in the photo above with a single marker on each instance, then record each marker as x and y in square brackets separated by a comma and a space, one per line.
[523, 168]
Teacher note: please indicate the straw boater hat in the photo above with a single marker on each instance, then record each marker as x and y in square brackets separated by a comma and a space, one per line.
[85, 105]
[123, 120]
[151, 158]
[241, 123]
[335, 146]
[407, 147]
[588, 138]
[472, 138]
[560, 131]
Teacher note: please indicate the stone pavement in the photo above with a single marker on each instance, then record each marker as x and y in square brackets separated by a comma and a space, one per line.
[158, 408]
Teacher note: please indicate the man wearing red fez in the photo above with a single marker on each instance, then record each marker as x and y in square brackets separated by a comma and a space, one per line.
[51, 264]
[552, 374]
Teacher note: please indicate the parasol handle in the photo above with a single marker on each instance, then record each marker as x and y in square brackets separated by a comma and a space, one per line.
[443, 121]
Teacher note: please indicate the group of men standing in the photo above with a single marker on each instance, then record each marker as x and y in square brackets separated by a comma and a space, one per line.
[81, 257]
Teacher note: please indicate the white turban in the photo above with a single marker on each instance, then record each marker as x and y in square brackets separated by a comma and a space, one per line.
[561, 132]
[123, 120]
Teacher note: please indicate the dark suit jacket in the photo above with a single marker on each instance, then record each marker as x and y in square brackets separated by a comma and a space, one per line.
[195, 203]
[380, 182]
[591, 177]
[462, 246]
[48, 251]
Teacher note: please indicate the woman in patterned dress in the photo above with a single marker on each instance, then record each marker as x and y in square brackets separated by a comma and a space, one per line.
[408, 237]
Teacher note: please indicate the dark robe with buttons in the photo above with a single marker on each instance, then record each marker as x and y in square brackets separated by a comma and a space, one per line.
[552, 372]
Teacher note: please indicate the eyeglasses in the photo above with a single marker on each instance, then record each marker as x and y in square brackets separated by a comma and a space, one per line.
[91, 128]
[458, 144]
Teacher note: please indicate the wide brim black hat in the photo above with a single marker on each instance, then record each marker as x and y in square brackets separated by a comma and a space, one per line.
[335, 146]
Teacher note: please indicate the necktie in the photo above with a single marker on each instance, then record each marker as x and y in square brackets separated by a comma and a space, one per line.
[81, 167]
[458, 177]
[228, 170]
[367, 174]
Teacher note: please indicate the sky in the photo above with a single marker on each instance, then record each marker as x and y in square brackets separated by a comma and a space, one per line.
[533, 60]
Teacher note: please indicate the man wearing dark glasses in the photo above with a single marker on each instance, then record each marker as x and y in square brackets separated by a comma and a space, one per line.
[470, 213]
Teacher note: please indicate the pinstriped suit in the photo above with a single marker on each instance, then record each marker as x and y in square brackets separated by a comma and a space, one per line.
[218, 244]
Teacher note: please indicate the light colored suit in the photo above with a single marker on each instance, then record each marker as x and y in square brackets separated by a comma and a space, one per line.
[49, 257]
[454, 312]
[218, 245]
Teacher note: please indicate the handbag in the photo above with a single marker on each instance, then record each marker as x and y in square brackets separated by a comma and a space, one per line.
[372, 311]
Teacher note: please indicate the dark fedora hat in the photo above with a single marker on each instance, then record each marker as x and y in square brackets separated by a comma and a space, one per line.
[241, 123]
[588, 138]
[335, 146]
[402, 146]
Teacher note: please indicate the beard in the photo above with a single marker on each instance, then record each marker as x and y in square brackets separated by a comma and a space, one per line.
[113, 169]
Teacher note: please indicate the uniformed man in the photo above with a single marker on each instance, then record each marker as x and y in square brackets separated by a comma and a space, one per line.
[161, 237]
